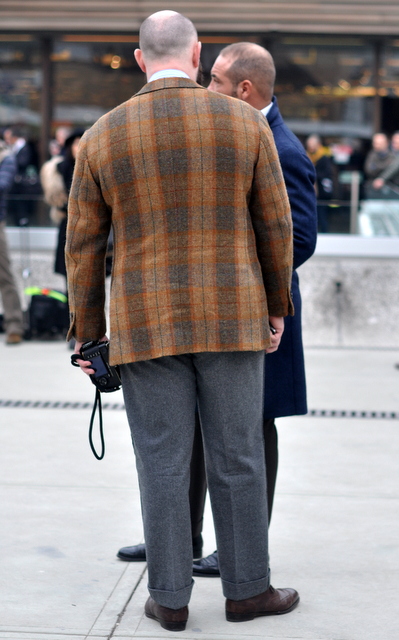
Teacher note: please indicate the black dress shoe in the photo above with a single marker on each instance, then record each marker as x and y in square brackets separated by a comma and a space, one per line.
[136, 553]
[272, 602]
[208, 567]
[169, 619]
[132, 554]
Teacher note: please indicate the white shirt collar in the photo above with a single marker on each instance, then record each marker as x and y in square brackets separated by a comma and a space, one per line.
[168, 73]
[266, 110]
[17, 146]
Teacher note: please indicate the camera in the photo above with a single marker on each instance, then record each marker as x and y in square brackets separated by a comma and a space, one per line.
[105, 378]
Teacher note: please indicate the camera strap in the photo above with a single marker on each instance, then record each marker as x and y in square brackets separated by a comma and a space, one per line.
[108, 380]
[97, 403]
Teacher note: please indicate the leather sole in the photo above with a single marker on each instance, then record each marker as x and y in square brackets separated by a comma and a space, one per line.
[246, 617]
[202, 574]
[169, 626]
[130, 558]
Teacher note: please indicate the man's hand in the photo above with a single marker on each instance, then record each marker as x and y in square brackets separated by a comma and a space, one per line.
[278, 324]
[378, 183]
[85, 364]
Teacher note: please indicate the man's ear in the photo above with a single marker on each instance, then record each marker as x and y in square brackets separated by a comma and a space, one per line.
[196, 54]
[244, 90]
[138, 54]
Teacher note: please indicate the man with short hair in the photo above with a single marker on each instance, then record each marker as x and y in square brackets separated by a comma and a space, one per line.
[246, 71]
[391, 173]
[191, 184]
[379, 157]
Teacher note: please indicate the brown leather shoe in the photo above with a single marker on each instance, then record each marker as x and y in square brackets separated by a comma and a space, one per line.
[13, 338]
[272, 602]
[169, 619]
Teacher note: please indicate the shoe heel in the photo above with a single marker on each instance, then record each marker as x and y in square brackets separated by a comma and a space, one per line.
[239, 617]
[173, 626]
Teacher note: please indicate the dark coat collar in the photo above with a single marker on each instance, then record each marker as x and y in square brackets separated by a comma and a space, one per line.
[274, 116]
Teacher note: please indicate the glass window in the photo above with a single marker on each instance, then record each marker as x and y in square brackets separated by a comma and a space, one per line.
[325, 85]
[92, 75]
[20, 81]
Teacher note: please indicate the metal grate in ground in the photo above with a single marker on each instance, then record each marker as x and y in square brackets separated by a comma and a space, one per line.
[117, 406]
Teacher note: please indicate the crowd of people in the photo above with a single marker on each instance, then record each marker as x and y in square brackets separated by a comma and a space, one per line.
[20, 179]
[378, 168]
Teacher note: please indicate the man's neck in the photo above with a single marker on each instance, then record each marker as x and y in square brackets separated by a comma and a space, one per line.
[176, 65]
[167, 73]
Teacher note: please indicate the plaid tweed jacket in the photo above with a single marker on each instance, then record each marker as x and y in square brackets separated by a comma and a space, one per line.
[191, 183]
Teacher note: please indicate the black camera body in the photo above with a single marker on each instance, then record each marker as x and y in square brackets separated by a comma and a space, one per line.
[105, 378]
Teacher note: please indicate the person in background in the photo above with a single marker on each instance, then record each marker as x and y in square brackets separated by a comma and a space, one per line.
[26, 185]
[322, 162]
[391, 172]
[57, 145]
[65, 168]
[13, 319]
[378, 159]
[191, 183]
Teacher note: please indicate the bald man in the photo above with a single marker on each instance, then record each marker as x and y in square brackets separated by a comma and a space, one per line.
[190, 182]
[246, 71]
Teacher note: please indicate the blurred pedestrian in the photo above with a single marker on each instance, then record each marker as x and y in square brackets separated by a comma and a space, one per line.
[191, 183]
[56, 179]
[57, 145]
[391, 171]
[13, 319]
[378, 159]
[322, 162]
[26, 187]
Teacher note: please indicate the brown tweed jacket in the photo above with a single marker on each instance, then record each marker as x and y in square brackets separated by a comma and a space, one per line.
[191, 183]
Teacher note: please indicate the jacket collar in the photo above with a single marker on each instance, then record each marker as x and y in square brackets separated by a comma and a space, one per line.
[169, 83]
[274, 116]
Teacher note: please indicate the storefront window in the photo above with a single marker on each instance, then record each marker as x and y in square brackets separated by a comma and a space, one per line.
[20, 81]
[92, 75]
[326, 85]
[337, 87]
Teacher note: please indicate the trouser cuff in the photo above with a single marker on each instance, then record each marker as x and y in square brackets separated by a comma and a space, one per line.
[172, 599]
[245, 590]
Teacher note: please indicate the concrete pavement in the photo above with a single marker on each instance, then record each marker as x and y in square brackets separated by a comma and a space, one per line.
[334, 534]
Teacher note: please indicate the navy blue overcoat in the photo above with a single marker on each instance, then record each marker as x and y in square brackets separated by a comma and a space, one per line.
[285, 382]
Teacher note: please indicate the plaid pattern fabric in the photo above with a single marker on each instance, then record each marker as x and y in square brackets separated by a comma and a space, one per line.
[191, 183]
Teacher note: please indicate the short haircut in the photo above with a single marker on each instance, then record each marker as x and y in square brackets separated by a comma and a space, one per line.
[314, 136]
[15, 130]
[167, 36]
[251, 62]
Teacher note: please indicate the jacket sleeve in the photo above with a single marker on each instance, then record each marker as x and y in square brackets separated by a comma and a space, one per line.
[391, 170]
[8, 169]
[89, 224]
[299, 177]
[271, 220]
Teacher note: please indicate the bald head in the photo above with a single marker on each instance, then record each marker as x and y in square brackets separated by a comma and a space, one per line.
[166, 35]
[249, 61]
